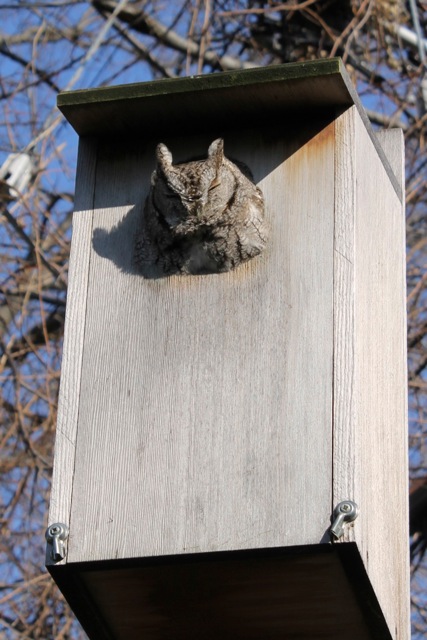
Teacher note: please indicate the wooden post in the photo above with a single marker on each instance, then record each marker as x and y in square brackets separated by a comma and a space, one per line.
[209, 424]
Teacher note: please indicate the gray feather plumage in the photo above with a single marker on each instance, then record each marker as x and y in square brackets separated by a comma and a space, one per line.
[203, 216]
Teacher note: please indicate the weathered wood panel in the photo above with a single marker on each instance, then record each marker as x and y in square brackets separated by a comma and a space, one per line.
[382, 383]
[68, 406]
[344, 432]
[205, 407]
[393, 144]
[370, 413]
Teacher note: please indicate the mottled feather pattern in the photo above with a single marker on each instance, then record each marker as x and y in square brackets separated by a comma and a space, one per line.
[202, 216]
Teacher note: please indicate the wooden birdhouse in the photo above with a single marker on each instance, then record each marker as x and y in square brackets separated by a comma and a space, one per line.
[230, 457]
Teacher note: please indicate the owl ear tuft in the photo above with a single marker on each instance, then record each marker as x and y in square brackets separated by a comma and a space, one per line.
[216, 151]
[163, 156]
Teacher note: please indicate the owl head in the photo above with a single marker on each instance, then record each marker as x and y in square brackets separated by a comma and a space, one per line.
[189, 194]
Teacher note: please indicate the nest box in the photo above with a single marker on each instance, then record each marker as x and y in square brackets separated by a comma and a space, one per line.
[230, 456]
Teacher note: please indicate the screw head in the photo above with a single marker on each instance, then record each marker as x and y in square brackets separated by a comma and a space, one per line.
[56, 530]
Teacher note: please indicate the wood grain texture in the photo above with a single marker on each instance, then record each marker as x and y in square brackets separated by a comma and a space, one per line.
[205, 407]
[370, 413]
[68, 406]
[382, 397]
[392, 142]
[344, 432]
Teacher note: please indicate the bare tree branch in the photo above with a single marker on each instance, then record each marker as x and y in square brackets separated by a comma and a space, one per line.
[143, 23]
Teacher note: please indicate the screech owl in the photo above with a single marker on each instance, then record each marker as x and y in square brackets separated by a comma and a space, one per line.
[202, 216]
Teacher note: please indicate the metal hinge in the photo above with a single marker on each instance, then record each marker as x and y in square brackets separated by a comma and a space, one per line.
[56, 535]
[345, 512]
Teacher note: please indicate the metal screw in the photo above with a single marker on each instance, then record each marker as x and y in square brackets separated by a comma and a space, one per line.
[344, 512]
[56, 535]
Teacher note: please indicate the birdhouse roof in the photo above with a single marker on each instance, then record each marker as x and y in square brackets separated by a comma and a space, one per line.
[241, 95]
[256, 97]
